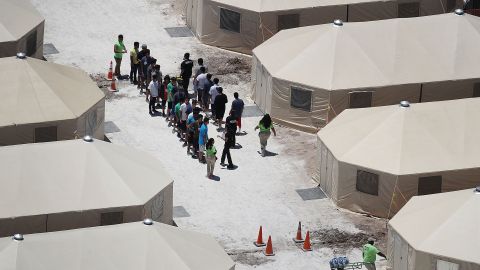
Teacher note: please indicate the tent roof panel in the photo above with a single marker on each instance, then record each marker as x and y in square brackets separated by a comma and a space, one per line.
[426, 137]
[17, 18]
[444, 224]
[74, 175]
[371, 54]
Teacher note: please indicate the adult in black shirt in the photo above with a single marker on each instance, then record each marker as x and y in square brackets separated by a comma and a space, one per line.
[186, 71]
[231, 130]
[219, 104]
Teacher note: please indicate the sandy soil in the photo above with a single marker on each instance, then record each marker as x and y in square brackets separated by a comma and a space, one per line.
[261, 191]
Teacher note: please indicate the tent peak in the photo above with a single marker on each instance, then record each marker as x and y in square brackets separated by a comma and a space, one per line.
[459, 11]
[21, 55]
[148, 222]
[404, 104]
[88, 138]
[337, 23]
[18, 237]
[477, 190]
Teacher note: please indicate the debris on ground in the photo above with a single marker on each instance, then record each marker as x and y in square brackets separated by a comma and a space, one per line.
[104, 85]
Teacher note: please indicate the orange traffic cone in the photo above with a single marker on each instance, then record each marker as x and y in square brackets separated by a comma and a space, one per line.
[298, 238]
[306, 244]
[110, 72]
[259, 242]
[113, 86]
[269, 250]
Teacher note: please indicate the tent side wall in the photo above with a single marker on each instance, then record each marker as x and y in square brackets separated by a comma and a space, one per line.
[36, 34]
[372, 11]
[448, 90]
[25, 133]
[326, 173]
[212, 34]
[399, 253]
[160, 207]
[92, 122]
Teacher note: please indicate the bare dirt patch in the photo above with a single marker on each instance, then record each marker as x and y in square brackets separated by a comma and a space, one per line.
[252, 258]
[104, 85]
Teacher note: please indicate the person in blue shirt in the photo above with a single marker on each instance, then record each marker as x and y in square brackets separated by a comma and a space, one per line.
[202, 140]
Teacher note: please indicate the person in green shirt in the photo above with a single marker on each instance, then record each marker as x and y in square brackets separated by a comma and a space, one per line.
[211, 157]
[266, 126]
[369, 254]
[118, 50]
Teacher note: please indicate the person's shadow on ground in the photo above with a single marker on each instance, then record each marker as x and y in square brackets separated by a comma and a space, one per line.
[156, 114]
[237, 146]
[243, 133]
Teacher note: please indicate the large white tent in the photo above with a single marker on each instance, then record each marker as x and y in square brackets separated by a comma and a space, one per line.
[242, 25]
[43, 101]
[21, 29]
[373, 160]
[325, 69]
[436, 232]
[73, 184]
[117, 247]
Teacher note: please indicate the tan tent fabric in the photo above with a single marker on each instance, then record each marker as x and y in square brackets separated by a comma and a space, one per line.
[261, 19]
[398, 59]
[37, 94]
[72, 184]
[21, 29]
[401, 146]
[437, 232]
[118, 247]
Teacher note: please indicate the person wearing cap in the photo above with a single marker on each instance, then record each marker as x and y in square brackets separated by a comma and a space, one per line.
[118, 49]
[369, 254]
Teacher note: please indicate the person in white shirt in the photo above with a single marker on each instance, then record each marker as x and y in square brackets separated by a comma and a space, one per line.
[183, 119]
[213, 94]
[153, 86]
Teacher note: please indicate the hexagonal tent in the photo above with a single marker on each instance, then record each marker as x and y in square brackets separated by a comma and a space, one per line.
[73, 184]
[242, 25]
[21, 29]
[117, 247]
[325, 69]
[436, 232]
[373, 160]
[43, 101]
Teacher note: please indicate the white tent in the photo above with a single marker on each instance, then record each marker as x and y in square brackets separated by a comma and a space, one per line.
[373, 160]
[43, 101]
[117, 247]
[325, 69]
[436, 232]
[242, 25]
[21, 29]
[73, 184]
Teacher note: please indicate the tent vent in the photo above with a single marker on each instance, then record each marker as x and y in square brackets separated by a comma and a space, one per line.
[18, 237]
[148, 221]
[404, 104]
[477, 190]
[338, 22]
[88, 138]
[21, 55]
[459, 11]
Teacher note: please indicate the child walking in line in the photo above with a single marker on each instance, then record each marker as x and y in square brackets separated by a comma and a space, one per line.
[266, 127]
[211, 157]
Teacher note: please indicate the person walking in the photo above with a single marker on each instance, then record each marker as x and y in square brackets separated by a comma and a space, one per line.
[213, 94]
[118, 50]
[237, 107]
[186, 71]
[134, 63]
[231, 130]
[202, 139]
[266, 127]
[220, 103]
[369, 254]
[154, 89]
[211, 157]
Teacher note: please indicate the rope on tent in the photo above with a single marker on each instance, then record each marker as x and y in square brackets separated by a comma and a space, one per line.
[331, 108]
[262, 27]
[393, 197]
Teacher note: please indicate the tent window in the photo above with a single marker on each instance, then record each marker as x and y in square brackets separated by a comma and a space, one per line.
[46, 134]
[288, 21]
[229, 20]
[32, 43]
[429, 185]
[301, 99]
[367, 182]
[476, 89]
[361, 99]
[111, 218]
[408, 10]
[444, 265]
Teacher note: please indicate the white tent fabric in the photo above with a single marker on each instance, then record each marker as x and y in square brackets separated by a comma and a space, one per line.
[21, 29]
[400, 147]
[256, 21]
[384, 63]
[72, 184]
[117, 247]
[38, 94]
[440, 232]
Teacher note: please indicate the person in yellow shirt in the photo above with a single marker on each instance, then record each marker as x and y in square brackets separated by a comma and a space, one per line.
[369, 254]
[118, 50]
[134, 63]
[266, 127]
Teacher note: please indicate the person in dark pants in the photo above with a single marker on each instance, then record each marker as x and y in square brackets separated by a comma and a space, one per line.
[118, 49]
[231, 130]
[134, 63]
[186, 71]
[154, 88]
[220, 102]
